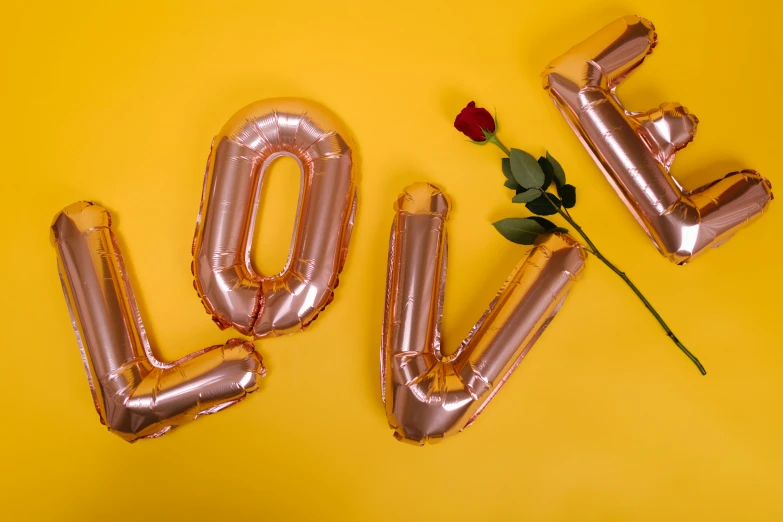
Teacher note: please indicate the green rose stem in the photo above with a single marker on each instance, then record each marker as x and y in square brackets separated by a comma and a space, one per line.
[492, 138]
[597, 253]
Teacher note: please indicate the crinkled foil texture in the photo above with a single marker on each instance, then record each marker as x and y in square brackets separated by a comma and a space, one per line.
[230, 289]
[428, 396]
[136, 395]
[635, 149]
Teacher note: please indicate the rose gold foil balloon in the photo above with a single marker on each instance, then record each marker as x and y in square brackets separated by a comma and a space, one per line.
[429, 396]
[136, 395]
[636, 149]
[254, 137]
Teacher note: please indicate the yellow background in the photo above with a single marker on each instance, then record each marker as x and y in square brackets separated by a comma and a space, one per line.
[604, 421]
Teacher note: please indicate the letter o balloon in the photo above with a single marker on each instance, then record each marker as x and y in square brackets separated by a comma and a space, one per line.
[230, 289]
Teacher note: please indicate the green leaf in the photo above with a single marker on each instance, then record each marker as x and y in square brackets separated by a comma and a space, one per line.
[526, 196]
[506, 163]
[526, 169]
[548, 172]
[543, 205]
[522, 231]
[557, 171]
[512, 184]
[548, 225]
[568, 193]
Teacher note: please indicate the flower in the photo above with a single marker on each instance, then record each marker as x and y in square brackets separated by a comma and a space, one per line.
[475, 122]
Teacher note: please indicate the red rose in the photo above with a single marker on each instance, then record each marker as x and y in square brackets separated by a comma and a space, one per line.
[473, 121]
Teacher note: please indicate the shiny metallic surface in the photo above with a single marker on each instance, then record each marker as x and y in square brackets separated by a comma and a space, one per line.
[136, 395]
[635, 149]
[429, 396]
[230, 289]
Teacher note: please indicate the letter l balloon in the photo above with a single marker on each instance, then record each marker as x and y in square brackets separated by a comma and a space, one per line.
[136, 395]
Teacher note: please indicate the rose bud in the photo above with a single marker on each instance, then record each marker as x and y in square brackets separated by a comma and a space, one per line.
[475, 122]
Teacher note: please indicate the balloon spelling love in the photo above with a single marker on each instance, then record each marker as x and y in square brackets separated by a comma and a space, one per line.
[138, 396]
[635, 149]
[428, 396]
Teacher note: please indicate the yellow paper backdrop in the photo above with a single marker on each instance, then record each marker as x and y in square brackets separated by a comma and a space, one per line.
[604, 421]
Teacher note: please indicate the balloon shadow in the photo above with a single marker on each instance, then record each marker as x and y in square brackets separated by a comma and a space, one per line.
[552, 44]
[138, 295]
